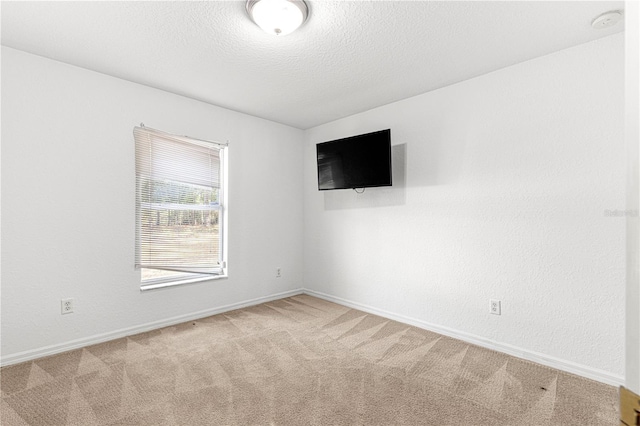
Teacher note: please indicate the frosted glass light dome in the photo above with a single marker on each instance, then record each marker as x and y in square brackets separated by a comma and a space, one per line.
[278, 17]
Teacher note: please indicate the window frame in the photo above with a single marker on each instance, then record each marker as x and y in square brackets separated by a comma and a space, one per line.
[194, 277]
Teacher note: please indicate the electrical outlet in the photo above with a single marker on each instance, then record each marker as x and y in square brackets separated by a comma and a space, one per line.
[494, 307]
[66, 306]
[278, 273]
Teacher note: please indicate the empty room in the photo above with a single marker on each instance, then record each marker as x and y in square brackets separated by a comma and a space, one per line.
[287, 212]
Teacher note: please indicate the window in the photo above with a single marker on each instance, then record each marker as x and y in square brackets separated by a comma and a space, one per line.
[179, 208]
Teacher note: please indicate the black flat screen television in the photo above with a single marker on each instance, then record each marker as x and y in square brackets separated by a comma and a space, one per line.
[361, 161]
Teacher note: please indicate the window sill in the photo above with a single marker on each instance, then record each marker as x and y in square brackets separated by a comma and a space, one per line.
[164, 284]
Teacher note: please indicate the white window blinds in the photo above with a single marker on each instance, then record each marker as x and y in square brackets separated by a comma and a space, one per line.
[178, 193]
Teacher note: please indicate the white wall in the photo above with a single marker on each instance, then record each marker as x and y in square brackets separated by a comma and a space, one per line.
[68, 206]
[632, 133]
[501, 184]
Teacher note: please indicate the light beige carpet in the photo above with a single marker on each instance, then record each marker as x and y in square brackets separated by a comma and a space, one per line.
[296, 361]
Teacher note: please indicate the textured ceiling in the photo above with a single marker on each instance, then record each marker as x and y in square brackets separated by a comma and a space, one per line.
[350, 56]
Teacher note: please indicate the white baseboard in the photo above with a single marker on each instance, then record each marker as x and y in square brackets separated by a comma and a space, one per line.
[130, 331]
[549, 361]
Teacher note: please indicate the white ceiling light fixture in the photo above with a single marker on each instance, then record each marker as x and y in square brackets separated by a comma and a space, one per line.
[607, 19]
[278, 17]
